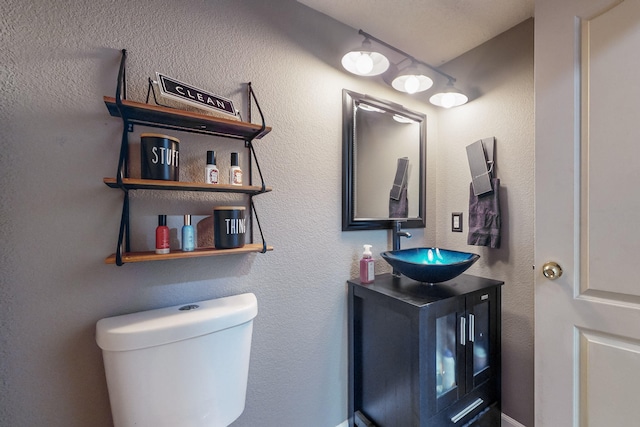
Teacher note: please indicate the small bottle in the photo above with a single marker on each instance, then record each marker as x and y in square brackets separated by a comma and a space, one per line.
[448, 370]
[188, 235]
[367, 272]
[162, 235]
[211, 170]
[235, 173]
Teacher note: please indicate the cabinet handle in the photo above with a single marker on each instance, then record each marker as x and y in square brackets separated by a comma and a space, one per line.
[463, 330]
[472, 328]
[460, 415]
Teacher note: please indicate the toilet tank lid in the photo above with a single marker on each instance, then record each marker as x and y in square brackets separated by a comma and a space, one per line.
[166, 325]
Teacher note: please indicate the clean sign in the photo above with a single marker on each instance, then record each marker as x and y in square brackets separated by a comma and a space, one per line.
[172, 88]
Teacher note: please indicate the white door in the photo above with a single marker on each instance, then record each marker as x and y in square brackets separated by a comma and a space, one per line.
[587, 321]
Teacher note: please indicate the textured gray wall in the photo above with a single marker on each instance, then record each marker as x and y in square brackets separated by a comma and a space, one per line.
[59, 221]
[500, 74]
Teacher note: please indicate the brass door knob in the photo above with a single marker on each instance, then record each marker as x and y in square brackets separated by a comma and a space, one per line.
[551, 270]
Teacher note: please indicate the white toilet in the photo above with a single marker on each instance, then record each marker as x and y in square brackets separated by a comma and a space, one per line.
[182, 366]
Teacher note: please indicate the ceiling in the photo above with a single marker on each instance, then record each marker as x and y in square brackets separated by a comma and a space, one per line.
[433, 31]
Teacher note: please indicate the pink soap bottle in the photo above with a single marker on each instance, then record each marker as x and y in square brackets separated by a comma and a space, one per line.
[367, 272]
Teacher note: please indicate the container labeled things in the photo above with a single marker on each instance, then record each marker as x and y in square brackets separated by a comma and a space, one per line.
[229, 227]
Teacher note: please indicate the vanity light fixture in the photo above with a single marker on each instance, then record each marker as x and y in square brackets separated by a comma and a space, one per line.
[366, 61]
[450, 97]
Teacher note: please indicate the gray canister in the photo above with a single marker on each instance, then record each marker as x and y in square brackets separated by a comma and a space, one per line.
[229, 226]
[159, 157]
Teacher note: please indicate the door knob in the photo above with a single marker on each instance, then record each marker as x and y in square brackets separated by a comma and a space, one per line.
[551, 270]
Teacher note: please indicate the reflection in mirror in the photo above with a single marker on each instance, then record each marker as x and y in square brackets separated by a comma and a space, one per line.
[383, 164]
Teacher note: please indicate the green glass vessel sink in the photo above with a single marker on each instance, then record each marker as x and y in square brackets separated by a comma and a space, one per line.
[430, 265]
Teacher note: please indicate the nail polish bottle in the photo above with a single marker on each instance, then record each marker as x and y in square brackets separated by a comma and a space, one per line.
[235, 173]
[162, 235]
[211, 170]
[188, 235]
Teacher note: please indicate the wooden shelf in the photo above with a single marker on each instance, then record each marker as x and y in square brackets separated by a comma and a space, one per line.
[187, 121]
[178, 254]
[153, 184]
[153, 115]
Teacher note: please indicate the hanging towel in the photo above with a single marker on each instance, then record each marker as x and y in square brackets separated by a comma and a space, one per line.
[398, 202]
[484, 217]
[399, 208]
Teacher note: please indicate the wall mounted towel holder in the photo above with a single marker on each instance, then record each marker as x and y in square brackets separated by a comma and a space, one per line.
[481, 164]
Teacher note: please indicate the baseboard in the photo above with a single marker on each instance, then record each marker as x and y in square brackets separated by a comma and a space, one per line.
[506, 421]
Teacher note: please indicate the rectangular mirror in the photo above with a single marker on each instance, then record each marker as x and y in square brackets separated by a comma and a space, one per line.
[384, 160]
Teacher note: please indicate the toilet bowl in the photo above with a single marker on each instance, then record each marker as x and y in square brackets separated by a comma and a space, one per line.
[185, 365]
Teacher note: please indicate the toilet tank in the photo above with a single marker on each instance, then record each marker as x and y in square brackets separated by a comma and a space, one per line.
[185, 365]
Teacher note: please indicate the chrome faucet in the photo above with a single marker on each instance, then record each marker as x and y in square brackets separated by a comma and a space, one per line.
[398, 232]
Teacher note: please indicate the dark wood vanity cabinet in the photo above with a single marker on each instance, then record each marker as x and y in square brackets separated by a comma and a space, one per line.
[423, 355]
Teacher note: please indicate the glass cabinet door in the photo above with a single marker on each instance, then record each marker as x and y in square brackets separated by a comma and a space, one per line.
[482, 331]
[447, 365]
[446, 360]
[464, 339]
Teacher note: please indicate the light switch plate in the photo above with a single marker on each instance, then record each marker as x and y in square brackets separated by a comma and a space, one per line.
[456, 222]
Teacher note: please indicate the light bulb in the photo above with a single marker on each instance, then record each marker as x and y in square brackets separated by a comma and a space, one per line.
[402, 119]
[452, 98]
[448, 100]
[364, 63]
[365, 60]
[411, 84]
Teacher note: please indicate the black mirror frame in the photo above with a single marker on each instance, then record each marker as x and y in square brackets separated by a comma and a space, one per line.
[349, 223]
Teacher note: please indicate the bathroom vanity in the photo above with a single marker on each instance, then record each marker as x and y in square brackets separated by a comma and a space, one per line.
[423, 354]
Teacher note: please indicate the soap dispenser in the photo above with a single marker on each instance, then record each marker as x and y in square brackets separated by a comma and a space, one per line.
[367, 272]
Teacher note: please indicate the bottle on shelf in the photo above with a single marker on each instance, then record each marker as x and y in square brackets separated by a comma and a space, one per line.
[211, 170]
[162, 236]
[235, 173]
[188, 235]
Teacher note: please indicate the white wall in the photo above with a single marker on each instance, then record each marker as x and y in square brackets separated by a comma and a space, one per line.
[59, 221]
[500, 75]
